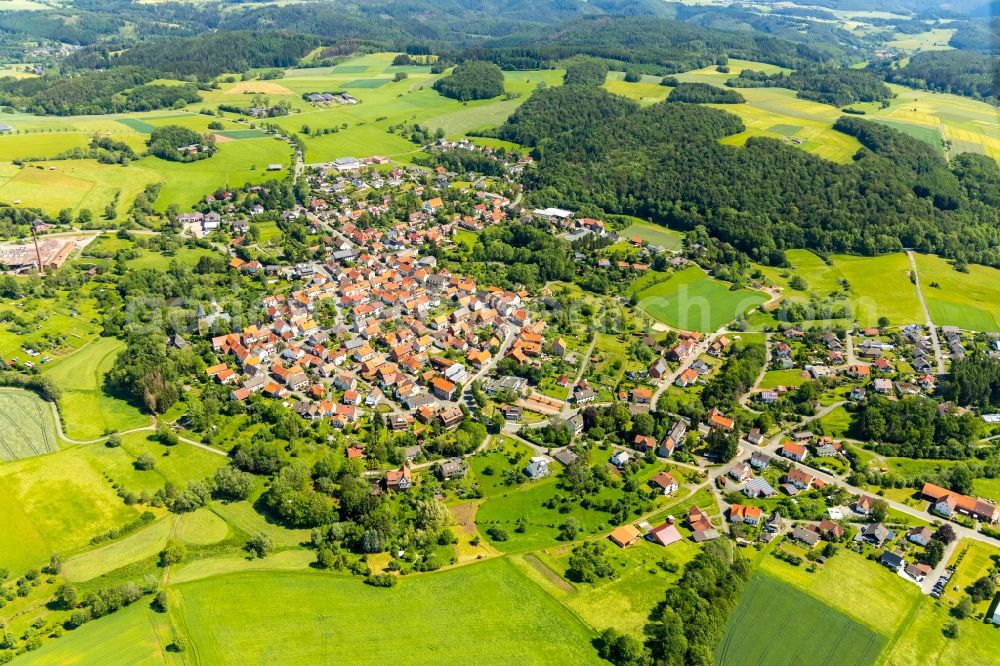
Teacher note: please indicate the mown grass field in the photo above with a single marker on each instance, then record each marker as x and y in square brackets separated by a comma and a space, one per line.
[26, 426]
[87, 411]
[488, 610]
[690, 300]
[967, 300]
[921, 640]
[654, 234]
[648, 91]
[777, 624]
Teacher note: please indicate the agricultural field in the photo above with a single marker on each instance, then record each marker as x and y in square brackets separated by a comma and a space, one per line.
[968, 300]
[879, 286]
[56, 503]
[134, 636]
[967, 125]
[87, 411]
[777, 624]
[313, 617]
[882, 287]
[691, 300]
[853, 585]
[654, 234]
[27, 427]
[935, 39]
[921, 640]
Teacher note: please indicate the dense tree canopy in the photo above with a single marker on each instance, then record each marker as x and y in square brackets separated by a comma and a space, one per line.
[703, 93]
[836, 86]
[472, 80]
[664, 162]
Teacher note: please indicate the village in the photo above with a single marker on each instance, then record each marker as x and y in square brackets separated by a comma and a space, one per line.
[379, 330]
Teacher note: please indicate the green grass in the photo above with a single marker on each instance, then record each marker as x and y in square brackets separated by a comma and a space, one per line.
[128, 637]
[53, 326]
[56, 503]
[137, 546]
[200, 527]
[488, 610]
[87, 411]
[26, 426]
[654, 234]
[988, 488]
[186, 256]
[777, 624]
[74, 184]
[862, 589]
[775, 378]
[921, 640]
[837, 422]
[691, 300]
[967, 300]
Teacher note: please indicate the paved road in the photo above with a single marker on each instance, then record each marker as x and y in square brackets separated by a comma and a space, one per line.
[938, 356]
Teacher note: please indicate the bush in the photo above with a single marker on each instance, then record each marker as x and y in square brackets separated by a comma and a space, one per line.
[497, 533]
[381, 580]
[259, 545]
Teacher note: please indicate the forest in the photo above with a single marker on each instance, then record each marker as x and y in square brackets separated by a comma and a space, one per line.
[703, 93]
[472, 80]
[664, 162]
[912, 428]
[960, 72]
[204, 57]
[112, 91]
[838, 87]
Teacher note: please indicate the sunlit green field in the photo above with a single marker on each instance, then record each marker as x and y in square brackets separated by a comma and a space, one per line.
[690, 300]
[968, 300]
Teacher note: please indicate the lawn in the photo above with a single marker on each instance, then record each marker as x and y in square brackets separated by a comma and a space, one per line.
[774, 378]
[777, 624]
[691, 300]
[837, 422]
[128, 637]
[87, 411]
[186, 256]
[26, 426]
[988, 488]
[976, 563]
[56, 503]
[654, 234]
[487, 609]
[853, 585]
[968, 300]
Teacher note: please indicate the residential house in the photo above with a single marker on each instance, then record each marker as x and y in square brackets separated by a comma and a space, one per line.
[398, 479]
[620, 459]
[793, 451]
[875, 534]
[920, 535]
[805, 536]
[946, 503]
[741, 513]
[665, 482]
[741, 472]
[537, 468]
[759, 460]
[891, 561]
[758, 487]
[625, 536]
[664, 535]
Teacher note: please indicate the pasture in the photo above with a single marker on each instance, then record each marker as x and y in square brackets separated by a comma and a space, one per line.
[56, 503]
[921, 640]
[26, 426]
[968, 300]
[691, 300]
[777, 624]
[648, 91]
[316, 618]
[87, 411]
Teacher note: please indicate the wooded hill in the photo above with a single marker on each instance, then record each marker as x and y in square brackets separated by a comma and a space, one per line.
[664, 162]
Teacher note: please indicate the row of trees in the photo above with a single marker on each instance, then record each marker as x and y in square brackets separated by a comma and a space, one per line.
[836, 86]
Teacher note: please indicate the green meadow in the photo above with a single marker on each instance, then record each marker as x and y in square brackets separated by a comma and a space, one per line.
[691, 300]
[488, 609]
[653, 234]
[968, 300]
[777, 624]
[87, 411]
